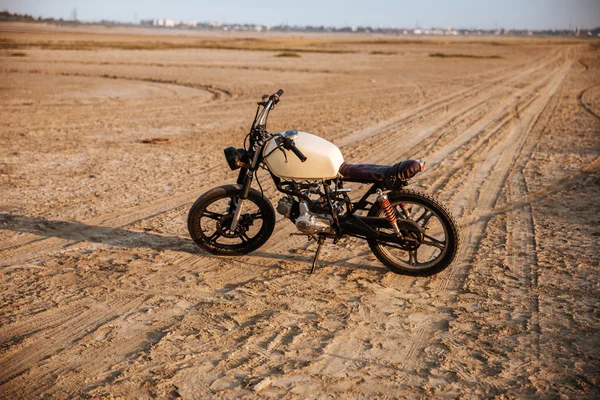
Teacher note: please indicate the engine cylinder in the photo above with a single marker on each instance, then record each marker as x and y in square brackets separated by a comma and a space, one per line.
[284, 207]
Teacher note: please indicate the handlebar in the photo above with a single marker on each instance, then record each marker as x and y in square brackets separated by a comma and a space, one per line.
[290, 145]
[275, 96]
[297, 152]
[273, 99]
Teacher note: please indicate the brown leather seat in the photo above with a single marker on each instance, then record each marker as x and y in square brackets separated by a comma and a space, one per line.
[393, 175]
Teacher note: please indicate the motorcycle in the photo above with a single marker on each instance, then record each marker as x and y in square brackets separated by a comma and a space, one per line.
[410, 232]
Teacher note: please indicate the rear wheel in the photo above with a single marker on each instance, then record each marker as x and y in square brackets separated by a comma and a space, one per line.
[210, 218]
[422, 255]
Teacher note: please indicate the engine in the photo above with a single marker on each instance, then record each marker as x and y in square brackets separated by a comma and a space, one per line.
[306, 222]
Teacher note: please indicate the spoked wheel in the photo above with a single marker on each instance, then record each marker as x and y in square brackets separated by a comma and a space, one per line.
[209, 221]
[422, 254]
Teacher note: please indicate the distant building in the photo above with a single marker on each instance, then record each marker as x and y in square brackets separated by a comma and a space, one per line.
[169, 23]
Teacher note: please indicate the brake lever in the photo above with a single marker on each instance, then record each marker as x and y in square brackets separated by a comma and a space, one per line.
[281, 148]
[264, 101]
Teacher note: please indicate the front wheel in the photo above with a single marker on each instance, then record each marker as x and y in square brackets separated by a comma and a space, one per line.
[210, 218]
[425, 254]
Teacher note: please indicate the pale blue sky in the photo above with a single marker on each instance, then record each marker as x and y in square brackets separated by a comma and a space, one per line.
[511, 14]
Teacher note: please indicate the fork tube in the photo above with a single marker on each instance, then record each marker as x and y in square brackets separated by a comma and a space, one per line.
[243, 196]
[236, 216]
[262, 120]
[246, 187]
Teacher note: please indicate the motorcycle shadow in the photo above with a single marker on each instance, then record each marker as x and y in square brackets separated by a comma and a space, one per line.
[76, 232]
[81, 232]
[340, 262]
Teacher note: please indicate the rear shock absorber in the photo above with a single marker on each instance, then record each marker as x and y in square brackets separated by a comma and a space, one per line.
[390, 213]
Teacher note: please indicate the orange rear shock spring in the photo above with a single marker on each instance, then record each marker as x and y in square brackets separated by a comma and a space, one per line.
[390, 213]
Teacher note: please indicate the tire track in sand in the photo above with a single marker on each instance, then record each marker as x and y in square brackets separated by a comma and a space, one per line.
[30, 247]
[229, 276]
[217, 93]
[15, 364]
[481, 194]
[493, 166]
[334, 353]
[582, 103]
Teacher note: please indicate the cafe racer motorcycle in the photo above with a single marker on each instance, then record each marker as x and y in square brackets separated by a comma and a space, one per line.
[408, 231]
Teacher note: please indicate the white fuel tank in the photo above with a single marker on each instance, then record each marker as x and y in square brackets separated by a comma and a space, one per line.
[323, 159]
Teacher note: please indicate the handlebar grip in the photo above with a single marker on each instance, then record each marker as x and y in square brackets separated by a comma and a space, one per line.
[297, 152]
[279, 93]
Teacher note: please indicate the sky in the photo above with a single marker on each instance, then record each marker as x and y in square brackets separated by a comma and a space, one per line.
[469, 14]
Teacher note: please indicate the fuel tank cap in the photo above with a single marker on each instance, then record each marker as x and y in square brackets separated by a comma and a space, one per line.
[292, 134]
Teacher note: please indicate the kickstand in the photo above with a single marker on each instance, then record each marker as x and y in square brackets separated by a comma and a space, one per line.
[314, 264]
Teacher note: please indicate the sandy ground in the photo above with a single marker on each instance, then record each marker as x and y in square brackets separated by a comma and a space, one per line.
[104, 295]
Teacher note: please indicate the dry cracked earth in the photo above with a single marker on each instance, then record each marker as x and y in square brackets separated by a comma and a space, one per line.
[103, 151]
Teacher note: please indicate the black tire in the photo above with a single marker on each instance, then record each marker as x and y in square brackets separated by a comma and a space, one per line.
[215, 208]
[441, 258]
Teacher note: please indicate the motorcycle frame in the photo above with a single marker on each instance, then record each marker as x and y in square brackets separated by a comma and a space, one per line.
[346, 224]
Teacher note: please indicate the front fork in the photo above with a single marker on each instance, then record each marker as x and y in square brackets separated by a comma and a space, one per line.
[245, 189]
[240, 203]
